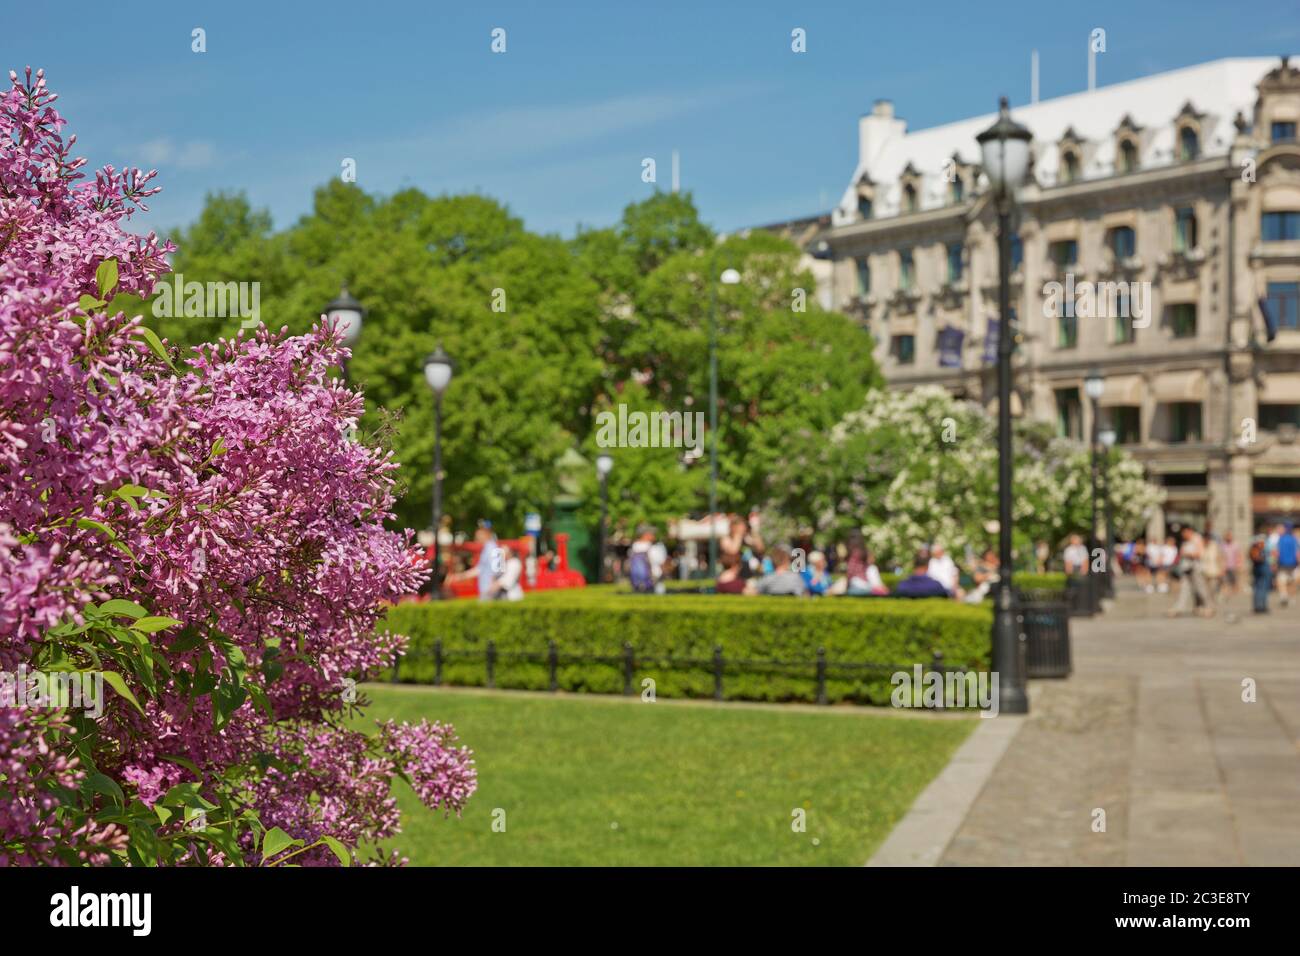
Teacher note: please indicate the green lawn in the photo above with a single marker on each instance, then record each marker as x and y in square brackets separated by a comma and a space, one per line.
[597, 781]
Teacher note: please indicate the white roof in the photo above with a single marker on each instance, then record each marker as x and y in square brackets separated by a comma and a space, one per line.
[1218, 89]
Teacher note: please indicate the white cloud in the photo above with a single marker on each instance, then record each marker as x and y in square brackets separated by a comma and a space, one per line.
[164, 152]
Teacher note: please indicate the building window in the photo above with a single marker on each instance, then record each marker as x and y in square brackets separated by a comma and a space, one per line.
[1189, 144]
[956, 189]
[1283, 132]
[1064, 252]
[909, 198]
[1182, 320]
[1122, 241]
[906, 273]
[1127, 422]
[864, 276]
[954, 262]
[1184, 422]
[1017, 252]
[903, 349]
[1067, 330]
[1069, 413]
[864, 207]
[1271, 416]
[1185, 229]
[1125, 333]
[1283, 302]
[1069, 166]
[1280, 226]
[1128, 157]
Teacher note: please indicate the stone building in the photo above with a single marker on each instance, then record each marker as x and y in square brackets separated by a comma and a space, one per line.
[1168, 210]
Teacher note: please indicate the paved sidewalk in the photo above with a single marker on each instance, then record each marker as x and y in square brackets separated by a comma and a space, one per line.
[1152, 730]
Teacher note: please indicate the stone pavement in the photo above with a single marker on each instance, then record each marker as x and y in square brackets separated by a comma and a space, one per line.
[1152, 730]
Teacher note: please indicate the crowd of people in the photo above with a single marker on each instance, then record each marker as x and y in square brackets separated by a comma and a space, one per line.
[1203, 570]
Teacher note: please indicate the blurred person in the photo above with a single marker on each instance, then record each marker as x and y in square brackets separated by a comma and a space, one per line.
[943, 569]
[745, 544]
[489, 561]
[861, 577]
[646, 559]
[1042, 554]
[1075, 556]
[1232, 564]
[920, 584]
[729, 579]
[1287, 556]
[507, 586]
[1166, 558]
[815, 575]
[1212, 566]
[782, 580]
[1261, 574]
[1192, 595]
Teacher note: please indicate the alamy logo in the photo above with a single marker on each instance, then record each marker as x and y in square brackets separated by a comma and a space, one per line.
[935, 690]
[58, 689]
[626, 429]
[134, 910]
[1098, 300]
[210, 300]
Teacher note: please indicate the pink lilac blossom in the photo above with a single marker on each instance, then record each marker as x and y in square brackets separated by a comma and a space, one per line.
[265, 532]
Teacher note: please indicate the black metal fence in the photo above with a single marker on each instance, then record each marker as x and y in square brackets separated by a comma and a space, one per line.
[820, 669]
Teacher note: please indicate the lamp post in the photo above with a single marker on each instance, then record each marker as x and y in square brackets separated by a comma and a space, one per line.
[1004, 147]
[1095, 385]
[604, 465]
[438, 368]
[1107, 437]
[728, 277]
[348, 314]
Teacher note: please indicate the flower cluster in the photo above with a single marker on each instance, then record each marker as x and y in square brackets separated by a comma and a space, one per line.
[220, 491]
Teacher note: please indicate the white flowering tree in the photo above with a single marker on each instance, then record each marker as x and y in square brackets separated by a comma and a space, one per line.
[917, 466]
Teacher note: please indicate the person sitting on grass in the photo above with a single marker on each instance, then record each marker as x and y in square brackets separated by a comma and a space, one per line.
[782, 580]
[920, 584]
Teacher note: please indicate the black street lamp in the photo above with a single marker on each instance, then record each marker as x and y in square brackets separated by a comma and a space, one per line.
[1095, 386]
[604, 465]
[1005, 150]
[728, 277]
[438, 368]
[1107, 437]
[348, 313]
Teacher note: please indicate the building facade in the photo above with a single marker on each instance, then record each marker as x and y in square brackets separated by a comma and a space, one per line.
[1157, 241]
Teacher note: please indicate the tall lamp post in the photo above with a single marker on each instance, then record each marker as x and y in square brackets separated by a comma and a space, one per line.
[1107, 438]
[438, 368]
[1095, 385]
[1005, 151]
[348, 313]
[728, 277]
[604, 465]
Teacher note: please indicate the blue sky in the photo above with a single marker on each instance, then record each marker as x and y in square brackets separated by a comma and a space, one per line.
[558, 125]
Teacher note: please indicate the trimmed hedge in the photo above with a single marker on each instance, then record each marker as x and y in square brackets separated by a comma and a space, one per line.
[890, 634]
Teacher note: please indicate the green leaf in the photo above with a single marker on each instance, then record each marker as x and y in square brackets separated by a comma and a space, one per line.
[276, 841]
[106, 277]
[99, 783]
[115, 681]
[340, 851]
[155, 344]
[88, 303]
[151, 624]
[123, 608]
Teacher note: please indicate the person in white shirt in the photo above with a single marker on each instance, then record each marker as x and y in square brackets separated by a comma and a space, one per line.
[1076, 556]
[507, 586]
[943, 569]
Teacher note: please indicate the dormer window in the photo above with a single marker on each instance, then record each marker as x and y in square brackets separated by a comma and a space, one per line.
[956, 190]
[1069, 166]
[1128, 156]
[910, 202]
[864, 207]
[1189, 144]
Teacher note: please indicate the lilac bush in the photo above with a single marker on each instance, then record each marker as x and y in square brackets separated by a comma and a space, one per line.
[200, 529]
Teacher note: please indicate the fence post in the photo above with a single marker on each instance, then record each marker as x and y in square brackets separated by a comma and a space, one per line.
[717, 672]
[552, 660]
[437, 663]
[492, 664]
[821, 675]
[629, 663]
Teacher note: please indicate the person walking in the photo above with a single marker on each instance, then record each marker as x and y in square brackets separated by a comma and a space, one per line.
[1212, 566]
[1288, 556]
[1261, 574]
[1231, 564]
[1192, 595]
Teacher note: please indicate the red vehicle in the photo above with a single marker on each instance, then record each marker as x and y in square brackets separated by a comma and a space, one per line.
[543, 578]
